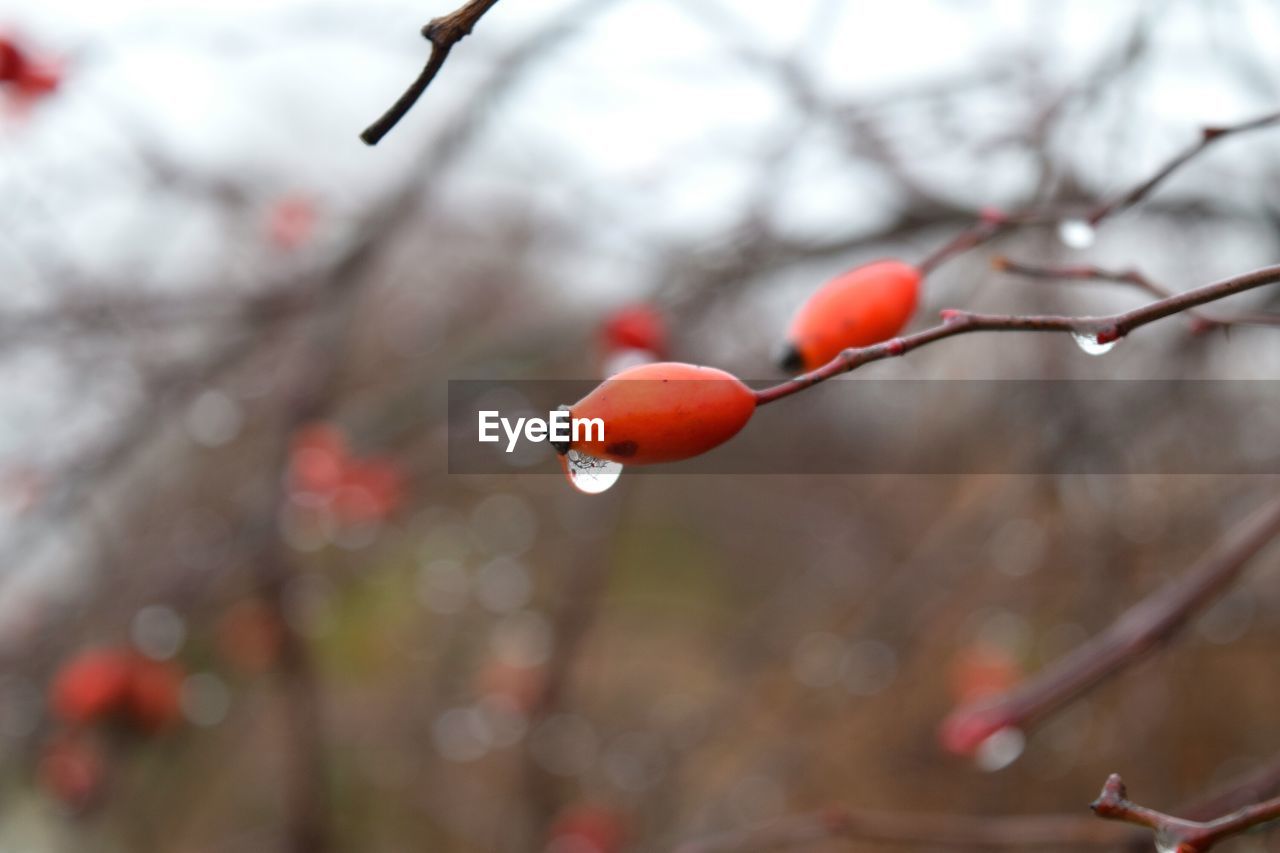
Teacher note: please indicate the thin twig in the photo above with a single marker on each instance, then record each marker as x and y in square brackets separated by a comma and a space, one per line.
[1208, 135]
[443, 33]
[1175, 834]
[1138, 630]
[940, 830]
[991, 223]
[1088, 272]
[1104, 329]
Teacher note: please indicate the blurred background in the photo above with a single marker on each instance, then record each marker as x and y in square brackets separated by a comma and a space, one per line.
[226, 329]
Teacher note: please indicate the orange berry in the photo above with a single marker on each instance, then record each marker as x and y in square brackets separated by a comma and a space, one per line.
[861, 307]
[662, 412]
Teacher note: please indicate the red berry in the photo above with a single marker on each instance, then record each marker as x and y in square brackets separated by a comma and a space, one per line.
[587, 829]
[71, 769]
[371, 489]
[13, 61]
[861, 307]
[965, 729]
[519, 687]
[317, 459]
[635, 327]
[291, 222]
[91, 686]
[981, 671]
[663, 412]
[154, 701]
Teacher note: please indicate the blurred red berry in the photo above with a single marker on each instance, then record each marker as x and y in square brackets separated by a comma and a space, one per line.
[71, 769]
[371, 490]
[38, 81]
[586, 829]
[317, 459]
[983, 670]
[635, 327]
[518, 687]
[154, 699]
[13, 62]
[91, 686]
[117, 685]
[291, 222]
[966, 728]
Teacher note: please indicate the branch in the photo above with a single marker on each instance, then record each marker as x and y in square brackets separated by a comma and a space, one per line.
[991, 223]
[443, 33]
[1208, 135]
[1175, 834]
[1134, 278]
[1137, 631]
[931, 830]
[1105, 329]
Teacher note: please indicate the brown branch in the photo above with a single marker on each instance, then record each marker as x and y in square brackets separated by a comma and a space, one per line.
[443, 33]
[1088, 272]
[1138, 630]
[1208, 136]
[1175, 834]
[1104, 329]
[933, 830]
[990, 224]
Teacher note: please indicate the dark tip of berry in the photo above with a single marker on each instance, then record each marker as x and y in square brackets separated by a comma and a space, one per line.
[790, 359]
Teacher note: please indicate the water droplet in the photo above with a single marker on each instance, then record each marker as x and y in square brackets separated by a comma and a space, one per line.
[1000, 750]
[1076, 233]
[1089, 343]
[588, 474]
[1166, 842]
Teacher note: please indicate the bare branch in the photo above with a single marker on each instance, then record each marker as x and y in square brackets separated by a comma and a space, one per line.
[933, 830]
[1208, 136]
[443, 33]
[1138, 630]
[1134, 278]
[1104, 329]
[1175, 834]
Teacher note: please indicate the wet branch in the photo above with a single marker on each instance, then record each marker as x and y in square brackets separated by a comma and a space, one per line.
[1175, 834]
[1208, 136]
[1132, 278]
[1104, 329]
[991, 223]
[443, 33]
[932, 830]
[1138, 630]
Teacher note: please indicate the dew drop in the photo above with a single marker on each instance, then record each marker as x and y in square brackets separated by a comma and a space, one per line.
[588, 474]
[1089, 343]
[1000, 750]
[1076, 233]
[1166, 842]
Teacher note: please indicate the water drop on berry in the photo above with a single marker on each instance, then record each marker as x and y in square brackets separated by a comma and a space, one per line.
[588, 474]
